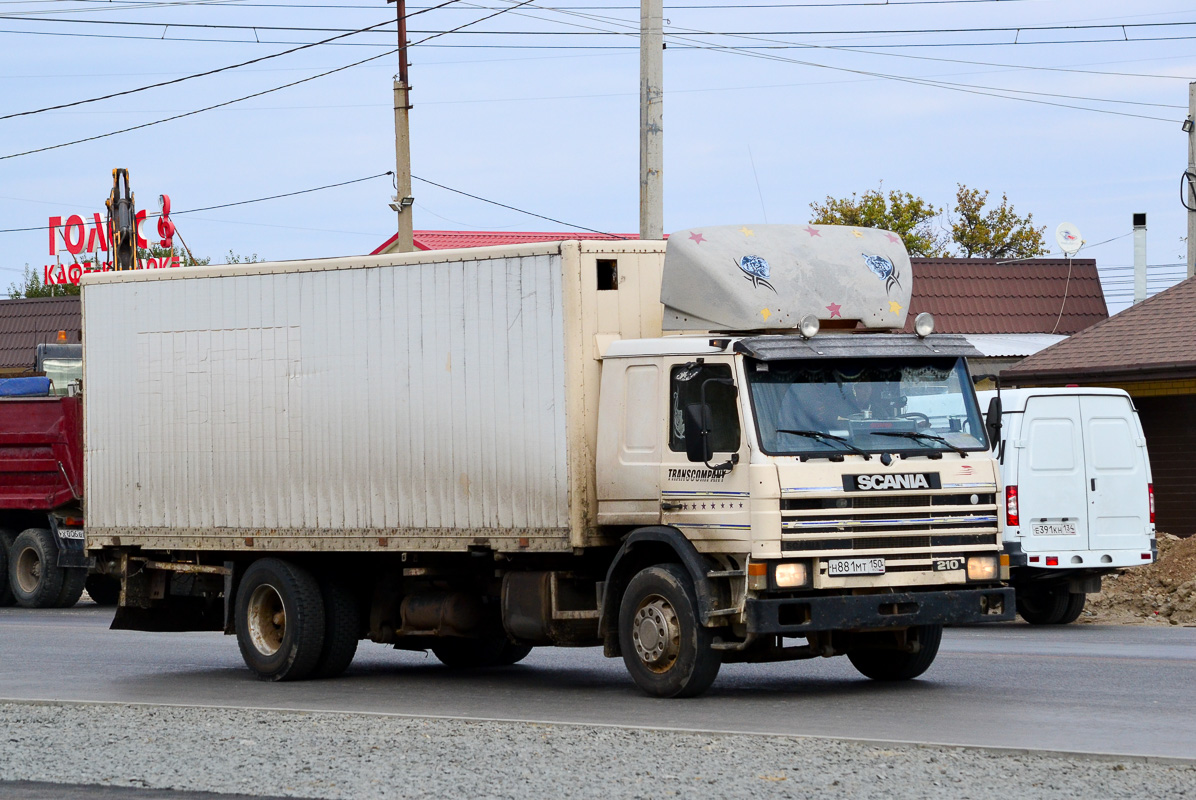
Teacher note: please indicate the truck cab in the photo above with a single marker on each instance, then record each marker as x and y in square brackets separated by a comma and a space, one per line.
[825, 502]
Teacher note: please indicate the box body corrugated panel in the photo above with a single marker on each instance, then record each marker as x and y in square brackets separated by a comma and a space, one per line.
[416, 402]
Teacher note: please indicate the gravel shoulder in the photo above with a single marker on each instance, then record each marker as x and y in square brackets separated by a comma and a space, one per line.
[325, 755]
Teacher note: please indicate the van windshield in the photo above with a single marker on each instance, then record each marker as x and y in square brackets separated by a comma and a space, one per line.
[841, 405]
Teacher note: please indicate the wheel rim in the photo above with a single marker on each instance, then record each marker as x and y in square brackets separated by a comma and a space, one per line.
[656, 634]
[29, 570]
[267, 619]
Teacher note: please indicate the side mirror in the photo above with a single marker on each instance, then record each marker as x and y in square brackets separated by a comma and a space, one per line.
[992, 421]
[698, 420]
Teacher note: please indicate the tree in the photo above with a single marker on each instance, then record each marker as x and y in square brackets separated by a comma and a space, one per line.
[901, 212]
[999, 233]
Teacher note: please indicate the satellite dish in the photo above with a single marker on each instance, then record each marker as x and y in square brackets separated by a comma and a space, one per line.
[1068, 237]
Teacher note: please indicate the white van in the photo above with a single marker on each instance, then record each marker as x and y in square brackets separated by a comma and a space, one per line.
[1079, 501]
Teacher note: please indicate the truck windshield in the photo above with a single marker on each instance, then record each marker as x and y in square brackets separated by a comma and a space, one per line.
[845, 405]
[61, 371]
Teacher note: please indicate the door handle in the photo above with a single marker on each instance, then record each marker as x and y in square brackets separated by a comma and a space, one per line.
[670, 506]
[1093, 484]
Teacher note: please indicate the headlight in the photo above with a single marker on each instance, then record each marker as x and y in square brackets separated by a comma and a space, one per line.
[982, 568]
[791, 573]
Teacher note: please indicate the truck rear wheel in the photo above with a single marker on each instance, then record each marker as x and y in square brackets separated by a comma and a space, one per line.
[6, 598]
[103, 589]
[73, 579]
[1043, 603]
[478, 653]
[897, 665]
[666, 650]
[34, 576]
[342, 624]
[280, 620]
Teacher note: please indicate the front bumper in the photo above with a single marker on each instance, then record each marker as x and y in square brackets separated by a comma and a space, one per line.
[797, 616]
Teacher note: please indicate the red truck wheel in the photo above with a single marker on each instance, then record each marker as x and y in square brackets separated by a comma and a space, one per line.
[6, 598]
[34, 576]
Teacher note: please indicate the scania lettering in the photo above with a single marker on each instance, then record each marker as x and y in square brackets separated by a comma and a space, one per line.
[687, 455]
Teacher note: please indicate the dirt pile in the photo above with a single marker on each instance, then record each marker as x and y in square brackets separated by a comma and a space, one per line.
[1163, 593]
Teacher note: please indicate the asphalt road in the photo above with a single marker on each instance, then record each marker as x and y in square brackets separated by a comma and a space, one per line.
[1123, 690]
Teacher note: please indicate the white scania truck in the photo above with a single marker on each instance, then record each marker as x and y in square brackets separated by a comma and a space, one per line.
[482, 451]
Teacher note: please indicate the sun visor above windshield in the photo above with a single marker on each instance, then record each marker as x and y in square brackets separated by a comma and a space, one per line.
[843, 345]
[767, 277]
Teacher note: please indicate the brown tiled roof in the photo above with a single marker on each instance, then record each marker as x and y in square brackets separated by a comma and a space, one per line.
[28, 322]
[973, 295]
[1155, 338]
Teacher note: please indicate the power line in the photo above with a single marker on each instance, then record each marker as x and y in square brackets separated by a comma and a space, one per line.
[212, 71]
[239, 202]
[854, 32]
[249, 96]
[520, 210]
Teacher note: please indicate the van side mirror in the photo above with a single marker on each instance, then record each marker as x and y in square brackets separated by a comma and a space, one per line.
[992, 421]
[698, 420]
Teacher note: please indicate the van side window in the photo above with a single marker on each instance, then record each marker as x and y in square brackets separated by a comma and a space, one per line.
[685, 388]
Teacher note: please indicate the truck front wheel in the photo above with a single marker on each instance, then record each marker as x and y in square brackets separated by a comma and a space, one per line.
[33, 572]
[665, 648]
[280, 620]
[897, 665]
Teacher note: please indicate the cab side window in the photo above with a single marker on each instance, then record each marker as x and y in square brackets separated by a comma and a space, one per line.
[685, 388]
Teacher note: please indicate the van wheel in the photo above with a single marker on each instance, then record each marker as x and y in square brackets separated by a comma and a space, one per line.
[342, 624]
[6, 598]
[666, 650]
[104, 590]
[1075, 606]
[1042, 603]
[478, 653]
[34, 576]
[72, 587]
[280, 620]
[896, 665]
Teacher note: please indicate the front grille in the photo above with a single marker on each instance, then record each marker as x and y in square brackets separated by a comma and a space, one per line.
[909, 530]
[888, 501]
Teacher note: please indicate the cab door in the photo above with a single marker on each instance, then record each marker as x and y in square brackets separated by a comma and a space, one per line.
[1115, 452]
[711, 506]
[1051, 482]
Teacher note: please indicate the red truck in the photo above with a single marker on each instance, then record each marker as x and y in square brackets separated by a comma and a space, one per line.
[43, 563]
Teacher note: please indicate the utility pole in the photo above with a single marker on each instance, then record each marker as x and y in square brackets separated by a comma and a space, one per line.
[651, 120]
[403, 200]
[1191, 204]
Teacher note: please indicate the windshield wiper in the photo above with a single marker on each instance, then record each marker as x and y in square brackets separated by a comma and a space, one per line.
[916, 435]
[829, 437]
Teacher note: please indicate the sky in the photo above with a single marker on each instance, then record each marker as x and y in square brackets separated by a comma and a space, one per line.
[1070, 108]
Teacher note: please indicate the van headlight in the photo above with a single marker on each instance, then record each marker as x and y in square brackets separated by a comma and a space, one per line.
[983, 568]
[791, 574]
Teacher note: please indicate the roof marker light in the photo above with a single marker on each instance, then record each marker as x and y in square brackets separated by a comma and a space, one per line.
[808, 326]
[924, 324]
